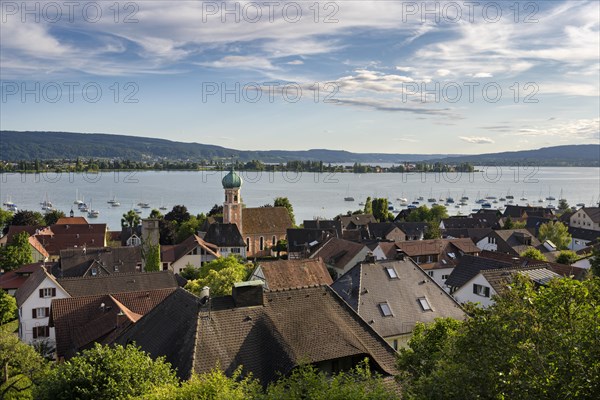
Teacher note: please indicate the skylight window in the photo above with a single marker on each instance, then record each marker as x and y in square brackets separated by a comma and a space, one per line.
[385, 309]
[451, 255]
[391, 272]
[424, 304]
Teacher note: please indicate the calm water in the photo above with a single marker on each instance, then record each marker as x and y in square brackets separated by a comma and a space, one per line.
[311, 194]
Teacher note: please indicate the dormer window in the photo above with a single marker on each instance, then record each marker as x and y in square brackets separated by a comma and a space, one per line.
[424, 304]
[94, 271]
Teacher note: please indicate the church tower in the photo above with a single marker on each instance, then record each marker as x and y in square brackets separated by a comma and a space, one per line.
[232, 207]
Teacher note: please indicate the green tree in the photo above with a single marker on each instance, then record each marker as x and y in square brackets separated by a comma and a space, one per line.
[508, 224]
[5, 218]
[220, 275]
[26, 217]
[179, 214]
[213, 385]
[307, 382]
[433, 230]
[368, 206]
[130, 219]
[534, 254]
[156, 214]
[438, 213]
[8, 307]
[285, 202]
[190, 272]
[104, 372]
[532, 343]
[187, 229]
[380, 209]
[53, 216]
[567, 257]
[17, 253]
[557, 233]
[595, 262]
[563, 205]
[21, 367]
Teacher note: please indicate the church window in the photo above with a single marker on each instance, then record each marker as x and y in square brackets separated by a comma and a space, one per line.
[261, 244]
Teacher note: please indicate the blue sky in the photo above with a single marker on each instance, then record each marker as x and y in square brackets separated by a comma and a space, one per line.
[161, 68]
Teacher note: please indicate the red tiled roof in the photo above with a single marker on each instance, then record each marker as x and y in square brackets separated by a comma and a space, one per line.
[265, 220]
[71, 221]
[286, 274]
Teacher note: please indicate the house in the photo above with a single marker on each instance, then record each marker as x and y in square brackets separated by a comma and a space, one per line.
[97, 261]
[341, 255]
[392, 296]
[302, 242]
[438, 257]
[288, 274]
[586, 218]
[580, 238]
[413, 230]
[227, 238]
[14, 230]
[356, 221]
[475, 234]
[13, 280]
[268, 333]
[333, 226]
[384, 250]
[131, 236]
[468, 267]
[34, 299]
[510, 241]
[79, 322]
[384, 231]
[38, 252]
[59, 237]
[194, 251]
[523, 212]
[490, 282]
[483, 220]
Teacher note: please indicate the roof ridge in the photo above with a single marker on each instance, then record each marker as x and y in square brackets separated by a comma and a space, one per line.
[143, 273]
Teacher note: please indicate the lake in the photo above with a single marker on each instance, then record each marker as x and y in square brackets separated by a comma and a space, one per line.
[311, 194]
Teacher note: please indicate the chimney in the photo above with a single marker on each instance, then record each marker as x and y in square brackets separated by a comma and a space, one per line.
[370, 258]
[400, 254]
[248, 294]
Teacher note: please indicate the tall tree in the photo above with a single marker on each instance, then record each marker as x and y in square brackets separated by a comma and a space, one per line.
[368, 206]
[156, 214]
[285, 202]
[178, 214]
[563, 205]
[26, 217]
[5, 218]
[557, 233]
[17, 253]
[130, 219]
[104, 372]
[380, 209]
[53, 216]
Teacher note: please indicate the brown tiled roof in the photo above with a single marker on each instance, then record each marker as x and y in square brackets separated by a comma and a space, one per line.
[16, 278]
[174, 253]
[80, 321]
[338, 252]
[415, 248]
[16, 229]
[76, 261]
[368, 285]
[511, 243]
[34, 242]
[72, 221]
[68, 236]
[118, 283]
[287, 274]
[265, 220]
[292, 327]
[352, 221]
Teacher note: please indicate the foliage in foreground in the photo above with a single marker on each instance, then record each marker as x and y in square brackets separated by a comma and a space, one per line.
[531, 344]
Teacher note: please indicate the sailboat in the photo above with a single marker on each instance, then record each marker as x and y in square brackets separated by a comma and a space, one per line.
[509, 196]
[162, 207]
[93, 213]
[550, 198]
[77, 201]
[348, 198]
[523, 197]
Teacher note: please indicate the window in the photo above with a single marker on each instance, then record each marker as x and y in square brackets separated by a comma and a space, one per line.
[274, 240]
[94, 271]
[424, 304]
[41, 331]
[47, 292]
[235, 250]
[248, 244]
[41, 312]
[165, 266]
[395, 345]
[235, 198]
[481, 290]
[391, 272]
[430, 273]
[138, 266]
[452, 255]
[444, 277]
[116, 268]
[385, 309]
[261, 243]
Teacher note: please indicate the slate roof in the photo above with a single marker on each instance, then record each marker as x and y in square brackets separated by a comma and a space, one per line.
[293, 326]
[224, 235]
[436, 246]
[517, 212]
[287, 274]
[511, 240]
[412, 228]
[338, 252]
[469, 266]
[357, 220]
[379, 230]
[329, 225]
[299, 240]
[118, 283]
[367, 285]
[593, 213]
[77, 261]
[584, 234]
[533, 224]
[475, 234]
[264, 220]
[81, 321]
[32, 283]
[475, 221]
[499, 278]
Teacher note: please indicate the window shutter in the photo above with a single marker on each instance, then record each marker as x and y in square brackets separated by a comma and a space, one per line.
[53, 292]
[474, 288]
[47, 312]
[487, 292]
[41, 293]
[34, 313]
[47, 331]
[35, 332]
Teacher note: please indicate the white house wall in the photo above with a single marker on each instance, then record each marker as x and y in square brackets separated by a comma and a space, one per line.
[465, 293]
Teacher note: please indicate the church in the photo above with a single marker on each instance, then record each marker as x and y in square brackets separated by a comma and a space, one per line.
[262, 227]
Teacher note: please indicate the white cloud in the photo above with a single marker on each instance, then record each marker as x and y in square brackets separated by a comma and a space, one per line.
[476, 139]
[243, 62]
[582, 129]
[295, 62]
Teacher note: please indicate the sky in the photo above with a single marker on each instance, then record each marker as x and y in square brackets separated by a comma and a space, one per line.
[443, 77]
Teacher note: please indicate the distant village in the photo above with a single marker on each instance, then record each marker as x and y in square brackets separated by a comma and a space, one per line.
[326, 292]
